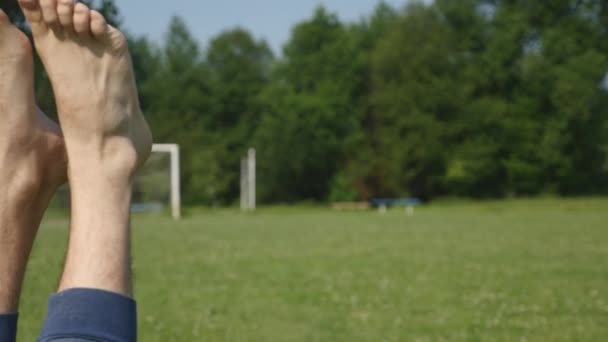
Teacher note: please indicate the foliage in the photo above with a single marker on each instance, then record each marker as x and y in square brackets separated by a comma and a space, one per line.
[311, 111]
[474, 98]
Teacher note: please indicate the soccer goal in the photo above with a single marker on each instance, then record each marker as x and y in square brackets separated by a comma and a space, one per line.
[248, 165]
[157, 184]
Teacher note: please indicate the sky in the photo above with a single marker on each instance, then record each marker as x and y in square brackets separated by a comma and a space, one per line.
[271, 20]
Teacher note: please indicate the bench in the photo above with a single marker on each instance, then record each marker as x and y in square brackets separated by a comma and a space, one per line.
[384, 203]
[146, 207]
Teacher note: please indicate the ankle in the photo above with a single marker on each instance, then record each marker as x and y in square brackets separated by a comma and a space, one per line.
[23, 182]
[111, 160]
[29, 176]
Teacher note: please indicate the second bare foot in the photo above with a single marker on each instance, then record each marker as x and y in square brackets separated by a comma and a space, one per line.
[32, 161]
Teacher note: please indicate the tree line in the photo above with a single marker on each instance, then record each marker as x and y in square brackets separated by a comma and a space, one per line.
[469, 98]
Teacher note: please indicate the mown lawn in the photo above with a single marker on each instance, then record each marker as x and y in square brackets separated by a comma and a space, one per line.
[528, 270]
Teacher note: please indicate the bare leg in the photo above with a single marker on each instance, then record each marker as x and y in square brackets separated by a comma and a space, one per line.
[107, 138]
[32, 162]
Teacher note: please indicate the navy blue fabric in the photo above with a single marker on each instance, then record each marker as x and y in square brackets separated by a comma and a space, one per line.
[90, 315]
[8, 327]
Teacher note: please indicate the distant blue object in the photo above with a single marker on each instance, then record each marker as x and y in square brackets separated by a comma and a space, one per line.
[394, 202]
[146, 207]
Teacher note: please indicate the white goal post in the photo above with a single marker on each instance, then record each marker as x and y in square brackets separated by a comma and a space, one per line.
[173, 151]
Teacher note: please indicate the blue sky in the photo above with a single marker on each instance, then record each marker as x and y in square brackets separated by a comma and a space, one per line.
[268, 19]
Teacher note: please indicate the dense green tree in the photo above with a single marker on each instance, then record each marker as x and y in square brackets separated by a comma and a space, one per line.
[312, 111]
[239, 69]
[175, 97]
[360, 175]
[206, 102]
[482, 98]
[416, 94]
[553, 114]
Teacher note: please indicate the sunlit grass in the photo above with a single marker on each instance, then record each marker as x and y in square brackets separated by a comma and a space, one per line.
[493, 271]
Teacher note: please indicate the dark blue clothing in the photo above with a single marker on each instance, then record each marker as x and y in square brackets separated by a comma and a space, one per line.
[8, 327]
[83, 315]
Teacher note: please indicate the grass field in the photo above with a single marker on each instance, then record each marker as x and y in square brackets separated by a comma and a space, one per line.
[498, 271]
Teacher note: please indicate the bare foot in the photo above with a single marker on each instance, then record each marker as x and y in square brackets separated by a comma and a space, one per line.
[32, 153]
[32, 161]
[107, 138]
[90, 69]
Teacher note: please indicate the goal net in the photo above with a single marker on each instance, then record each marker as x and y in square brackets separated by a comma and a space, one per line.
[156, 186]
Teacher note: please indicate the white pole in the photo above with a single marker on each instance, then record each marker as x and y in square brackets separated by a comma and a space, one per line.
[244, 175]
[173, 150]
[175, 184]
[251, 178]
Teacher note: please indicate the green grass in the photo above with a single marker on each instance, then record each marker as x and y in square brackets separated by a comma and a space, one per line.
[529, 270]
